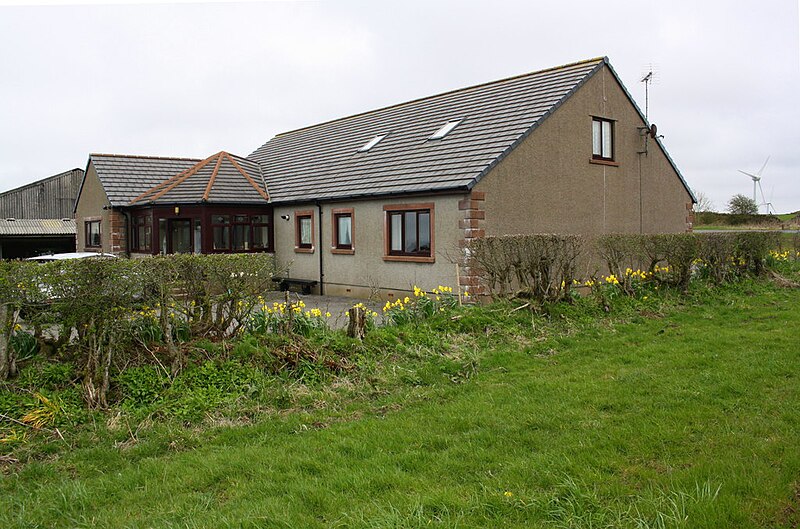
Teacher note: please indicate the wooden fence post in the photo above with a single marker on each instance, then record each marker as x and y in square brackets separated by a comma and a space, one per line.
[357, 326]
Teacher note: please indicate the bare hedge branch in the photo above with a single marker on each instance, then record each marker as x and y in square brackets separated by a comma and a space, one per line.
[543, 267]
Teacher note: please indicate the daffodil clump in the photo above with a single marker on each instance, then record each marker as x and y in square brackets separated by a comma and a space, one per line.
[286, 318]
[784, 256]
[145, 324]
[422, 305]
[147, 327]
[632, 282]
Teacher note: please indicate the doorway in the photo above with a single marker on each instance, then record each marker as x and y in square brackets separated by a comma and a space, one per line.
[180, 236]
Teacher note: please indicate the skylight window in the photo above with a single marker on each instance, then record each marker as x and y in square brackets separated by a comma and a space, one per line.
[445, 130]
[371, 143]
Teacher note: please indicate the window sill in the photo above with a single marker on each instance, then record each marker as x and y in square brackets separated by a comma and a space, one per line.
[409, 258]
[343, 251]
[610, 163]
[303, 250]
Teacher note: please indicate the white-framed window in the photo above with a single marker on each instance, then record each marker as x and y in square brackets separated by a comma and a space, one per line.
[602, 139]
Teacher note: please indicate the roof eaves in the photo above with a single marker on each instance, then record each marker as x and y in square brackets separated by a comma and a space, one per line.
[538, 122]
[368, 195]
[83, 181]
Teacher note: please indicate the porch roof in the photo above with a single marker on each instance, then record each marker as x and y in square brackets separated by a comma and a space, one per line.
[221, 178]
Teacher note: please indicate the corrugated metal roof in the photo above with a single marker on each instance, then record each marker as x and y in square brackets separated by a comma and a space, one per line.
[125, 177]
[323, 162]
[221, 178]
[34, 227]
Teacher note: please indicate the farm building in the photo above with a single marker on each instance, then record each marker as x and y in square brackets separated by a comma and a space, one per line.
[50, 198]
[21, 238]
[386, 199]
[37, 218]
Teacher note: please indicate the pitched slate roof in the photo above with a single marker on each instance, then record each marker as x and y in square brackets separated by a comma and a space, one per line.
[125, 177]
[36, 227]
[221, 178]
[327, 161]
[322, 162]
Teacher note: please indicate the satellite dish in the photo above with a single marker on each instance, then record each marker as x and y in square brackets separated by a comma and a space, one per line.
[653, 131]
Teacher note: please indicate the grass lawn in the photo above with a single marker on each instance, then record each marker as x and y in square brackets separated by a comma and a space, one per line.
[684, 419]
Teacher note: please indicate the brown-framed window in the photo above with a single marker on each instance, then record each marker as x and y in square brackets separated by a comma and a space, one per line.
[409, 232]
[142, 234]
[92, 233]
[211, 229]
[241, 233]
[261, 231]
[343, 231]
[304, 231]
[221, 232]
[602, 139]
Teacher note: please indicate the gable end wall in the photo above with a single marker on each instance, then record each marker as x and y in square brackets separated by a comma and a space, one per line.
[549, 185]
[90, 207]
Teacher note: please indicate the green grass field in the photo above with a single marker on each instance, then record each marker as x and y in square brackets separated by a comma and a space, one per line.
[684, 416]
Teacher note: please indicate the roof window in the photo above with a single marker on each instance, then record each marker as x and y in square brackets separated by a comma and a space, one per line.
[445, 130]
[371, 143]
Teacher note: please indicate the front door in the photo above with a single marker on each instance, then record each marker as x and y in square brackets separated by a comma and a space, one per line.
[180, 236]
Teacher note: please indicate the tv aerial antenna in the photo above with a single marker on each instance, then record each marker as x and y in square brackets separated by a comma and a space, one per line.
[647, 79]
[650, 130]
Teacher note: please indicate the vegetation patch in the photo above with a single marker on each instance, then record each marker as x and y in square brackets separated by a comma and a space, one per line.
[635, 401]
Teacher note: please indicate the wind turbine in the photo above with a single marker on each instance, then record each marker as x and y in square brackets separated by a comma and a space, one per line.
[757, 181]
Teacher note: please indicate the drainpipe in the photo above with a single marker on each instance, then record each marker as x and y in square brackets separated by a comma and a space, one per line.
[319, 230]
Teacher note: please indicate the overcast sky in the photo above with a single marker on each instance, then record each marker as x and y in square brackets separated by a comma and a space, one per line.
[191, 79]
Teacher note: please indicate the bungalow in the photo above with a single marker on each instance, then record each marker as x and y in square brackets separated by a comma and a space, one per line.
[386, 199]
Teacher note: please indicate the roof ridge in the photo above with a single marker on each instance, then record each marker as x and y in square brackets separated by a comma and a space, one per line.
[262, 192]
[39, 181]
[145, 157]
[213, 176]
[173, 181]
[448, 92]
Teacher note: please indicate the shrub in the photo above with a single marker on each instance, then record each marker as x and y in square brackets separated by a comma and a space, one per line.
[541, 267]
[742, 205]
[680, 251]
[752, 249]
[715, 256]
[621, 253]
